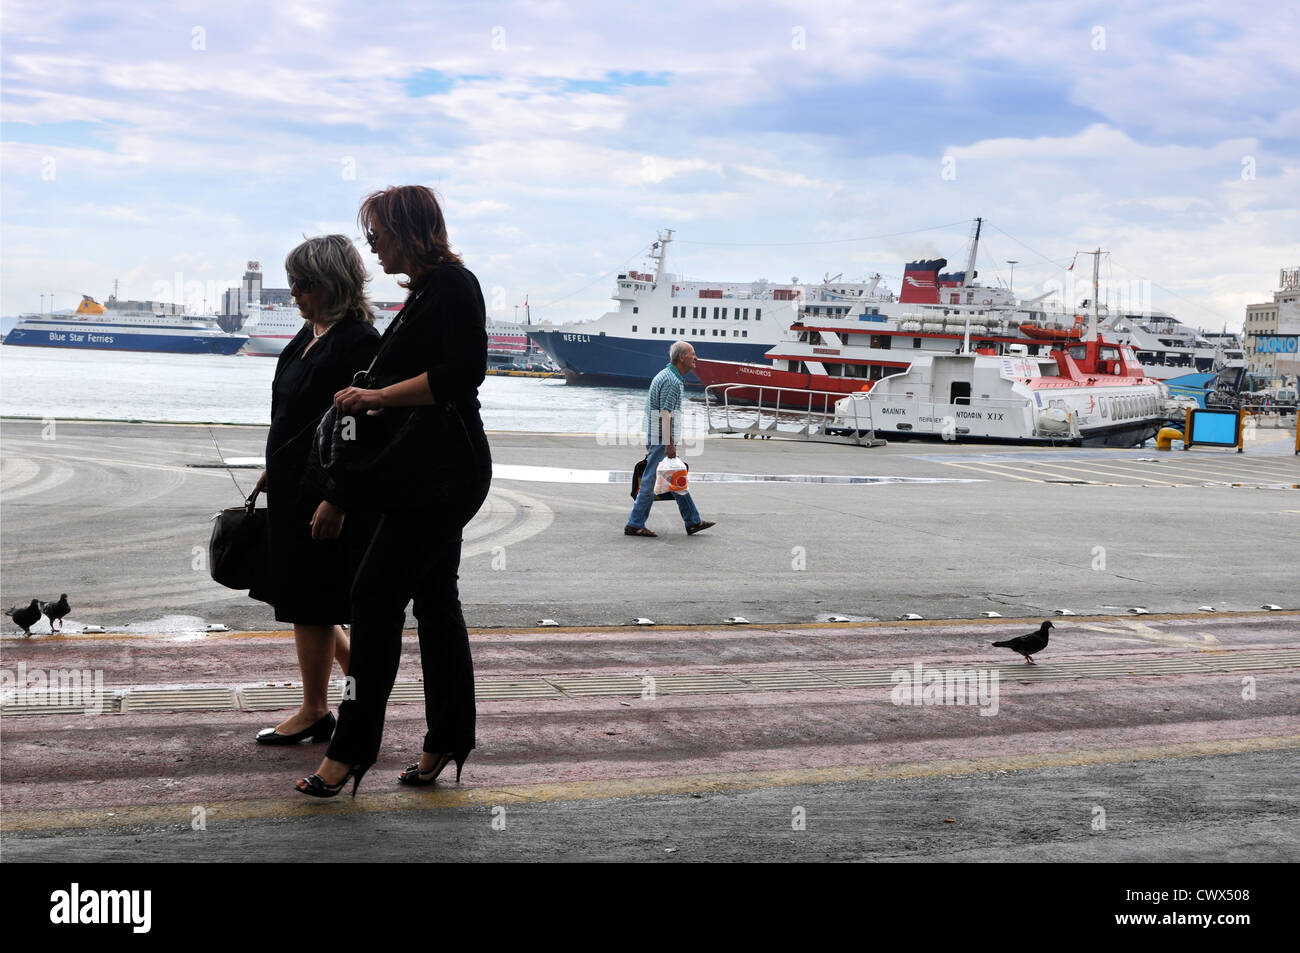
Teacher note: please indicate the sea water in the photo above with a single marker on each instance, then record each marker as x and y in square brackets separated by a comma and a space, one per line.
[66, 384]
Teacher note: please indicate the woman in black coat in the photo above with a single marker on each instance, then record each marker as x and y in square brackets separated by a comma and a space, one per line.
[431, 362]
[314, 548]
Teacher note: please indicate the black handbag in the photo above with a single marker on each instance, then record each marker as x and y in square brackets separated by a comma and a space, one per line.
[239, 551]
[376, 453]
[388, 456]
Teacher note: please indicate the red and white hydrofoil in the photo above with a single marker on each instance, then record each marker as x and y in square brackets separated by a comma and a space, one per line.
[1092, 392]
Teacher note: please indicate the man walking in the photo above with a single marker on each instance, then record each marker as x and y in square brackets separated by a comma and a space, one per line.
[663, 414]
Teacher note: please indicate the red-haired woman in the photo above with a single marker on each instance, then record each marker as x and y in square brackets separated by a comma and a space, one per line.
[433, 356]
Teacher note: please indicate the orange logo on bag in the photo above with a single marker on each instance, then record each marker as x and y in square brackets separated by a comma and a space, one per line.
[677, 481]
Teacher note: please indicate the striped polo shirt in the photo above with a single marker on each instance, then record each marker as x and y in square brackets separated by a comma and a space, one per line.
[666, 392]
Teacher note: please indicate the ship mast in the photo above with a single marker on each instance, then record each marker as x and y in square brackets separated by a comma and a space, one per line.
[1094, 318]
[659, 251]
[970, 262]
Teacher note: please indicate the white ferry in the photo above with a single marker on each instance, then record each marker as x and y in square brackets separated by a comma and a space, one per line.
[97, 327]
[726, 321]
[271, 327]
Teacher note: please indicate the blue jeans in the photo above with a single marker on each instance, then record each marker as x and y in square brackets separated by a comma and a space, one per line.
[646, 497]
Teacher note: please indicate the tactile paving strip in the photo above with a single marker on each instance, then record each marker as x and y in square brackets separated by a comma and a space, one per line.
[263, 697]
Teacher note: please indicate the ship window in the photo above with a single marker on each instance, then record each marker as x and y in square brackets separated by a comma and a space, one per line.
[744, 334]
[916, 342]
[758, 314]
[715, 314]
[674, 311]
[735, 334]
[634, 329]
[746, 314]
[636, 310]
[724, 313]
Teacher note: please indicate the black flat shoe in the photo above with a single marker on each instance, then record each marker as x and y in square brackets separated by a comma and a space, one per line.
[316, 786]
[321, 731]
[699, 527]
[413, 774]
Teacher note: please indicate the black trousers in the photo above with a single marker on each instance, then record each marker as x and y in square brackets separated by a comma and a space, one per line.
[414, 554]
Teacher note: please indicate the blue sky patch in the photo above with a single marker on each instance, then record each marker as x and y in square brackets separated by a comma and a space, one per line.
[428, 82]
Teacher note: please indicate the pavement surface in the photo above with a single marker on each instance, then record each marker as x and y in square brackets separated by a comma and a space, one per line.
[117, 516]
[1177, 735]
[1166, 736]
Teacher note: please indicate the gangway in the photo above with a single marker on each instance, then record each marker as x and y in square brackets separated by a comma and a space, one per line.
[790, 413]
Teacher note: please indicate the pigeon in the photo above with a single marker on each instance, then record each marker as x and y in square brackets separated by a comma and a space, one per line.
[56, 610]
[26, 618]
[1028, 645]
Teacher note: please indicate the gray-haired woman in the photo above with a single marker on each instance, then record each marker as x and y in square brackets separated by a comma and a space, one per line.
[314, 548]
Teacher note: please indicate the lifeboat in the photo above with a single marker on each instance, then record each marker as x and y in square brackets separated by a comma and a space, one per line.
[1040, 333]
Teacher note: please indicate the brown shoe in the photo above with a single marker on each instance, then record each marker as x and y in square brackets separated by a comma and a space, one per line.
[699, 527]
[639, 531]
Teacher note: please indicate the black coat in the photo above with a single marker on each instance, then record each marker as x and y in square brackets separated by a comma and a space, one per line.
[441, 332]
[310, 578]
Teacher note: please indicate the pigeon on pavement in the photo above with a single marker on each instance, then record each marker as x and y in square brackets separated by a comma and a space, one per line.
[27, 617]
[56, 610]
[1028, 645]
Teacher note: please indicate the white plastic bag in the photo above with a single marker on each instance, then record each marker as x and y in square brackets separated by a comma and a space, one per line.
[670, 476]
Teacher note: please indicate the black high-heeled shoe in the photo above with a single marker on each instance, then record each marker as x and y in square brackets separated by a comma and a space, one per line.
[413, 774]
[323, 730]
[316, 786]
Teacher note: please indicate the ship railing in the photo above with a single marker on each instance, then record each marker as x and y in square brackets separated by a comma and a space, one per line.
[790, 413]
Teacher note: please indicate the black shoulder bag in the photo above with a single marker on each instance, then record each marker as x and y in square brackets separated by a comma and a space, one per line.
[381, 454]
[239, 552]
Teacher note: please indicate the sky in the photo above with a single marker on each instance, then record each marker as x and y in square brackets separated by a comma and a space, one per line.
[165, 145]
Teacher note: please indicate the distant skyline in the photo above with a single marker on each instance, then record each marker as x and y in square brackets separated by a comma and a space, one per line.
[166, 145]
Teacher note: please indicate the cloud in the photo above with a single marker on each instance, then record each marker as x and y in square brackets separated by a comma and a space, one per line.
[562, 136]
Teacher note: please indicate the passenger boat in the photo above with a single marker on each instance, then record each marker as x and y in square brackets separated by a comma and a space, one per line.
[1092, 392]
[1089, 393]
[97, 327]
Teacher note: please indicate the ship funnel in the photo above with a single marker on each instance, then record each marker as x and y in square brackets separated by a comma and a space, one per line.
[921, 281]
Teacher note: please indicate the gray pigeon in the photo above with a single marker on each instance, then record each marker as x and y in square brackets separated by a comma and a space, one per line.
[56, 610]
[1028, 645]
[26, 618]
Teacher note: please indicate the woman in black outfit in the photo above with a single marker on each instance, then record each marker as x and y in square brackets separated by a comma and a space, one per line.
[314, 550]
[432, 360]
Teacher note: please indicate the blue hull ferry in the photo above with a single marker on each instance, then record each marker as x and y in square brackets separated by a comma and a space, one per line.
[95, 327]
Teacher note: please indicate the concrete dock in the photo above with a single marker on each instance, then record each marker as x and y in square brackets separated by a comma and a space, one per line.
[1167, 735]
[117, 515]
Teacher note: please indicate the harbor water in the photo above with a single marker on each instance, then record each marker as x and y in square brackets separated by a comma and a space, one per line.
[182, 388]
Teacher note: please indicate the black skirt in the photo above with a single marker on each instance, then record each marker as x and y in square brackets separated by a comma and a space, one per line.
[310, 579]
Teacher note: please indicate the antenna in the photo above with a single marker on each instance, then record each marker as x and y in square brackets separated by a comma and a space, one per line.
[1011, 285]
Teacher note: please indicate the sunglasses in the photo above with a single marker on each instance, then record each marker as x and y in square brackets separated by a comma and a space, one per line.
[372, 239]
[302, 284]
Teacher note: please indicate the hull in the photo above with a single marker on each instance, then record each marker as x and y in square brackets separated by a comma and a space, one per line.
[267, 345]
[764, 376]
[116, 339]
[1121, 436]
[629, 362]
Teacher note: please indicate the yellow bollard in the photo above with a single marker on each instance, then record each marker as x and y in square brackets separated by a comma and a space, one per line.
[1166, 436]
